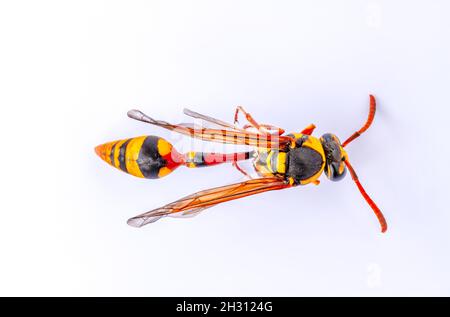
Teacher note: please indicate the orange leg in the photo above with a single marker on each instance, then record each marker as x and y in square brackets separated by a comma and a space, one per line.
[309, 129]
[235, 164]
[247, 116]
[263, 128]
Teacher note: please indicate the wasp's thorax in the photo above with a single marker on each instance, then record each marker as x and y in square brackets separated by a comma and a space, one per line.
[335, 156]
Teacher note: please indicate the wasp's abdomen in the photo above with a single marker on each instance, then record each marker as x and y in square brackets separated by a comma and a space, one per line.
[145, 156]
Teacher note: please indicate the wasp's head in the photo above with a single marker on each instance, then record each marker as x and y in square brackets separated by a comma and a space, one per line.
[335, 156]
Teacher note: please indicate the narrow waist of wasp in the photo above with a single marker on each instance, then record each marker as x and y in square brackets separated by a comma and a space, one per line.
[198, 159]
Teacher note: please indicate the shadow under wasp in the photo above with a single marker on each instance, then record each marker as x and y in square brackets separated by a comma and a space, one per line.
[280, 161]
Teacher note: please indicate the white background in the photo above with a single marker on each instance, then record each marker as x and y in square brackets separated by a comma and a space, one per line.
[69, 71]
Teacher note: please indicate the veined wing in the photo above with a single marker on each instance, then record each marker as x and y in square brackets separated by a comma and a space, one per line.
[226, 135]
[197, 202]
[206, 118]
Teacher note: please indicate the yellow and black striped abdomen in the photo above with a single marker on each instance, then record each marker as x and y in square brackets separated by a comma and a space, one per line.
[270, 162]
[144, 156]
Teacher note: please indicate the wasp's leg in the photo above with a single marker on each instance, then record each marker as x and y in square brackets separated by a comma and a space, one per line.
[263, 128]
[236, 165]
[309, 129]
[248, 117]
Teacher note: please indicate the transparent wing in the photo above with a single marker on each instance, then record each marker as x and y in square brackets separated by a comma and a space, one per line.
[206, 118]
[226, 135]
[197, 202]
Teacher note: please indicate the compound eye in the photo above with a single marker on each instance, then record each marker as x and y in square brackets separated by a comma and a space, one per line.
[335, 156]
[336, 171]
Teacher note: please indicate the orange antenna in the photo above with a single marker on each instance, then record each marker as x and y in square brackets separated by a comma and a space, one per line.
[369, 200]
[368, 122]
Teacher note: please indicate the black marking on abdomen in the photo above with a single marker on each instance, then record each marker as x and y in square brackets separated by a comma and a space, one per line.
[149, 159]
[111, 155]
[121, 157]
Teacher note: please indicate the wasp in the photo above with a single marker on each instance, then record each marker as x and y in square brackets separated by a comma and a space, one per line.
[280, 160]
